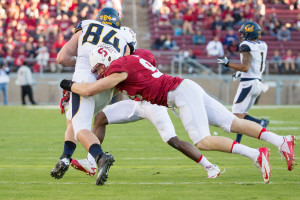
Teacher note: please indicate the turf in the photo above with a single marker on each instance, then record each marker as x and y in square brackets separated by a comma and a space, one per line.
[31, 141]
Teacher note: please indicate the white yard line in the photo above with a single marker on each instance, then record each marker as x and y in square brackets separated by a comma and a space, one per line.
[150, 183]
[283, 128]
[228, 106]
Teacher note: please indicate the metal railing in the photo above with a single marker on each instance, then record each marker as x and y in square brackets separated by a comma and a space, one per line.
[287, 87]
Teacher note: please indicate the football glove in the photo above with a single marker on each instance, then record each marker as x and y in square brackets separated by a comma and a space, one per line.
[64, 101]
[236, 75]
[224, 61]
[66, 84]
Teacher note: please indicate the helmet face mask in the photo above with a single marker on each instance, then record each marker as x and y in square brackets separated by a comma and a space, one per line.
[250, 31]
[101, 57]
[109, 16]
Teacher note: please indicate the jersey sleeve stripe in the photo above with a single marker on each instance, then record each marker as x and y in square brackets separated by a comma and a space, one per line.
[78, 27]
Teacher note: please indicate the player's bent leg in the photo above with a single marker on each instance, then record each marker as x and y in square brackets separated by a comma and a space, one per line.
[69, 134]
[69, 147]
[246, 127]
[215, 143]
[159, 117]
[286, 144]
[99, 128]
[88, 165]
[260, 156]
[191, 109]
[239, 136]
[104, 160]
[184, 147]
[213, 171]
[118, 113]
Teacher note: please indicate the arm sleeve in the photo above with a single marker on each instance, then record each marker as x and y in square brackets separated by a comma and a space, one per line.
[116, 67]
[244, 48]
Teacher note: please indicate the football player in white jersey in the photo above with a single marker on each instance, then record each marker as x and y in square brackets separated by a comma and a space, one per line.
[253, 61]
[127, 111]
[88, 35]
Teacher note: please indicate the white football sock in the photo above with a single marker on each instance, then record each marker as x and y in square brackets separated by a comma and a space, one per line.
[272, 138]
[245, 151]
[91, 159]
[204, 162]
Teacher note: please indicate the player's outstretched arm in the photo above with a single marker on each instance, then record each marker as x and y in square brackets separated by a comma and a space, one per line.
[244, 66]
[90, 89]
[66, 56]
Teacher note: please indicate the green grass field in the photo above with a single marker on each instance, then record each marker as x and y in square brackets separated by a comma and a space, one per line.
[31, 141]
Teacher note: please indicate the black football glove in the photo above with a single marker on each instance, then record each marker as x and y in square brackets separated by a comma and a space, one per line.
[66, 84]
[224, 61]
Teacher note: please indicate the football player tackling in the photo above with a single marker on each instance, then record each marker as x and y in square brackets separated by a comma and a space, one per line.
[138, 78]
[127, 111]
[253, 61]
[88, 34]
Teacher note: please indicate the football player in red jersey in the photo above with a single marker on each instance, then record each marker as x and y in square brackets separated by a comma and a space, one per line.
[127, 111]
[136, 77]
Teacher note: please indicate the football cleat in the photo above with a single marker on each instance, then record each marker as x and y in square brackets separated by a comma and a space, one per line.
[262, 162]
[85, 166]
[213, 171]
[287, 149]
[60, 168]
[104, 163]
[264, 123]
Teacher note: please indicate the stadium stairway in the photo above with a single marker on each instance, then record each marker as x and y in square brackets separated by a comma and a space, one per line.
[138, 23]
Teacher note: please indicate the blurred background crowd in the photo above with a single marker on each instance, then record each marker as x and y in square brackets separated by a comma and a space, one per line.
[194, 31]
[34, 31]
[206, 29]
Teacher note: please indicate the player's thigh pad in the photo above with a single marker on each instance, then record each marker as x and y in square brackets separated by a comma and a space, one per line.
[159, 117]
[188, 98]
[245, 97]
[122, 112]
[81, 109]
[102, 100]
[217, 114]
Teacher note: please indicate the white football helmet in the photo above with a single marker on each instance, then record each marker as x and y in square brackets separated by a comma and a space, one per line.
[103, 54]
[130, 37]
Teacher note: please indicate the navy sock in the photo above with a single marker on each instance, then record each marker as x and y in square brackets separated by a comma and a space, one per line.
[69, 149]
[238, 138]
[248, 117]
[95, 149]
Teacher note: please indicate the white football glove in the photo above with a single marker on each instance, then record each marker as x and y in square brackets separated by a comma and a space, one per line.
[223, 61]
[236, 75]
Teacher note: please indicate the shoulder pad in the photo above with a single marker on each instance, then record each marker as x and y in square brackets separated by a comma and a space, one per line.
[244, 48]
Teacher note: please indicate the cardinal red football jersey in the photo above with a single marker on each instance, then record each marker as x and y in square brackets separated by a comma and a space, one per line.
[144, 81]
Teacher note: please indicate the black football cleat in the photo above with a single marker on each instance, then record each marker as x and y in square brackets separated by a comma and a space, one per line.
[60, 168]
[264, 123]
[104, 163]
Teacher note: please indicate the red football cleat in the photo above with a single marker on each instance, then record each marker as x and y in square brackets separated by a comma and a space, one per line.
[85, 166]
[287, 149]
[262, 162]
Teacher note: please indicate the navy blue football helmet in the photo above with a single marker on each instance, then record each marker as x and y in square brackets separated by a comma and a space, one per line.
[109, 16]
[250, 31]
